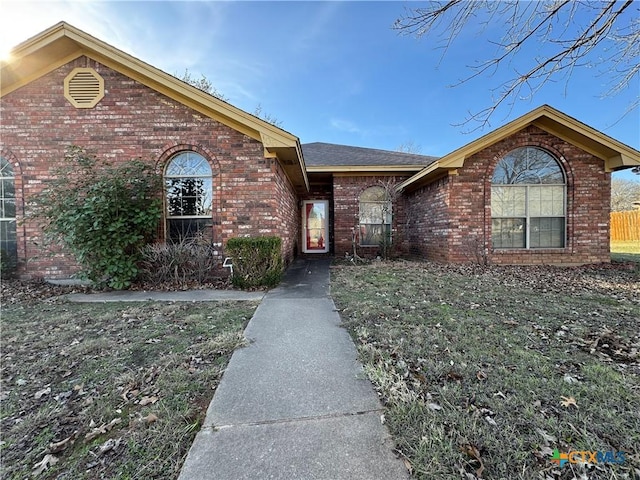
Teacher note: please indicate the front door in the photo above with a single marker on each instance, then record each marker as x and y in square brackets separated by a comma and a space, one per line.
[315, 226]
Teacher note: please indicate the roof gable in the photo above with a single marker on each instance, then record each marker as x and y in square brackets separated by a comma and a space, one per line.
[616, 155]
[63, 43]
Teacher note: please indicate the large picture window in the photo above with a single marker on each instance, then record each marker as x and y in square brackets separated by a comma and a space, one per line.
[189, 195]
[528, 201]
[375, 217]
[8, 240]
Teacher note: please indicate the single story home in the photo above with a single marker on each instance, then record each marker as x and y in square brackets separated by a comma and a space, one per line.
[535, 190]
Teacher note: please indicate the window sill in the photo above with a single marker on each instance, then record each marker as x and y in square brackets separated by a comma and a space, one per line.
[532, 250]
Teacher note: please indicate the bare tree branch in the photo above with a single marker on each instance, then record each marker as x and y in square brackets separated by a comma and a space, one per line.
[606, 39]
[202, 83]
[624, 194]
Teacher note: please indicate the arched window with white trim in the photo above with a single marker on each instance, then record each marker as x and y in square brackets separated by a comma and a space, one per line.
[528, 201]
[375, 215]
[8, 239]
[188, 183]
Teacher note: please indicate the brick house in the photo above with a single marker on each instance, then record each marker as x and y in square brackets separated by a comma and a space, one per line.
[533, 191]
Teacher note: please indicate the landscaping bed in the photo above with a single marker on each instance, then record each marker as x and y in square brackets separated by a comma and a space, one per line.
[484, 372]
[113, 390]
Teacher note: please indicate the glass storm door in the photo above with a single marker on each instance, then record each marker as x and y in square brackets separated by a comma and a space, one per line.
[315, 231]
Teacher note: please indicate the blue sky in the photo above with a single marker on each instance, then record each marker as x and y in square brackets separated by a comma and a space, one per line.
[329, 71]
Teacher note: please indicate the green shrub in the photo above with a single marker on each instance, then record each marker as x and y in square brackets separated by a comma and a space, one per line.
[257, 261]
[103, 214]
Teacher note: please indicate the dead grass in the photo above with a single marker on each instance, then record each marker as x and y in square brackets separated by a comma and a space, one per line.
[109, 390]
[473, 364]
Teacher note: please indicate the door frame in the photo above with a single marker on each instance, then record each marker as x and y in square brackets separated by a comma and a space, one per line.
[324, 234]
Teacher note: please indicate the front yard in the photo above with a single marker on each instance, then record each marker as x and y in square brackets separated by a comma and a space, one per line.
[108, 390]
[486, 371]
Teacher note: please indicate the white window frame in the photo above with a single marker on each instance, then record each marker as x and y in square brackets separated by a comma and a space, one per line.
[9, 223]
[208, 178]
[386, 209]
[527, 217]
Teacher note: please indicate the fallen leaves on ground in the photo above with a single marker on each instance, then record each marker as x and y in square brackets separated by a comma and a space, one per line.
[101, 430]
[569, 402]
[44, 464]
[79, 379]
[473, 452]
[496, 347]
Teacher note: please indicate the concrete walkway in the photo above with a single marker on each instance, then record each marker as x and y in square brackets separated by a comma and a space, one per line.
[186, 296]
[295, 403]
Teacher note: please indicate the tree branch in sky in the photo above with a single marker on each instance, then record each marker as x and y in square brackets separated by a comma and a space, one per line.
[575, 34]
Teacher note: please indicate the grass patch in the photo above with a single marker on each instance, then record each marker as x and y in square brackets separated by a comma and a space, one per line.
[109, 390]
[628, 251]
[473, 364]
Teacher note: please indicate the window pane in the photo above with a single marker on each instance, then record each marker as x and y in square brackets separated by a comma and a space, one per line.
[547, 233]
[528, 165]
[188, 164]
[189, 193]
[179, 229]
[546, 201]
[8, 233]
[189, 196]
[7, 208]
[8, 241]
[7, 189]
[542, 168]
[372, 235]
[508, 201]
[371, 213]
[373, 194]
[508, 232]
[6, 170]
[375, 216]
[555, 200]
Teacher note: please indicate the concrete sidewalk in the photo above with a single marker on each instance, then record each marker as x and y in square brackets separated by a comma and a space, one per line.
[295, 403]
[186, 296]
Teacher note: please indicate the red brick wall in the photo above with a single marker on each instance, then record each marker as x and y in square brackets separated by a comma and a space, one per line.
[428, 223]
[287, 213]
[346, 192]
[469, 208]
[252, 194]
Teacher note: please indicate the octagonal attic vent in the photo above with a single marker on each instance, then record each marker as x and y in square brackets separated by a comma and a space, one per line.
[84, 88]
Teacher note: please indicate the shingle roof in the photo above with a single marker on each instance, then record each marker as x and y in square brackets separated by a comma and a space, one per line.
[329, 154]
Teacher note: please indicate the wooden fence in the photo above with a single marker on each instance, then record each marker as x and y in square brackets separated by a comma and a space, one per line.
[625, 226]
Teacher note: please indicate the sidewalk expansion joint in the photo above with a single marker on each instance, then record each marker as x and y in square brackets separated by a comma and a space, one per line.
[294, 420]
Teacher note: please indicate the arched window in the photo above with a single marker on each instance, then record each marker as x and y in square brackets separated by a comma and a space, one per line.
[189, 195]
[528, 201]
[8, 240]
[375, 217]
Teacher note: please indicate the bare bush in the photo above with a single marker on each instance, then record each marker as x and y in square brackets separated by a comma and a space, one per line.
[185, 262]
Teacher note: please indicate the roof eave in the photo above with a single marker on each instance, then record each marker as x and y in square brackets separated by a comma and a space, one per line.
[63, 43]
[291, 160]
[616, 155]
[426, 176]
[388, 169]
